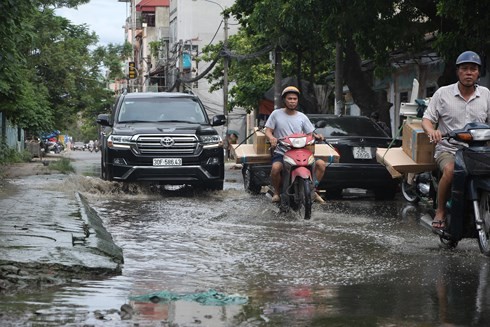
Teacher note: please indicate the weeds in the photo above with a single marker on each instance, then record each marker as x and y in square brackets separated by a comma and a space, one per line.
[10, 156]
[63, 165]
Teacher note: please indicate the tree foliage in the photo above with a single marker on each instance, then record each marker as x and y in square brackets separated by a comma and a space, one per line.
[49, 77]
[307, 31]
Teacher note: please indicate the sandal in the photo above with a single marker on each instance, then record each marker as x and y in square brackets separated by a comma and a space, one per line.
[439, 224]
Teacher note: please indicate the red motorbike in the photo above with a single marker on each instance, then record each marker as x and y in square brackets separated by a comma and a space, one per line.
[297, 175]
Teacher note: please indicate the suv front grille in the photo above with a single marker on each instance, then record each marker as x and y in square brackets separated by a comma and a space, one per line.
[166, 144]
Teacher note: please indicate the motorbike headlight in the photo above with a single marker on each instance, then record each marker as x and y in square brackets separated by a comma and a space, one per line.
[480, 134]
[119, 141]
[298, 142]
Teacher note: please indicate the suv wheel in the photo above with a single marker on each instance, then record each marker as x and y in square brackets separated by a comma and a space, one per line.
[105, 172]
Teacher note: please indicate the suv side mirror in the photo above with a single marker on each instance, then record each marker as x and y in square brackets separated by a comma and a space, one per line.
[321, 124]
[103, 119]
[218, 120]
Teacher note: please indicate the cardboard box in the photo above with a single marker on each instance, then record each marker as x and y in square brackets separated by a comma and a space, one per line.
[260, 144]
[326, 152]
[416, 143]
[398, 162]
[245, 153]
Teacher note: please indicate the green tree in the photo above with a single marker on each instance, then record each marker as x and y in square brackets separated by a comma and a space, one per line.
[112, 57]
[270, 24]
[252, 82]
[50, 79]
[308, 31]
[26, 98]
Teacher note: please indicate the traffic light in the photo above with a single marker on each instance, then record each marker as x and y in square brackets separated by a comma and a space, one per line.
[132, 70]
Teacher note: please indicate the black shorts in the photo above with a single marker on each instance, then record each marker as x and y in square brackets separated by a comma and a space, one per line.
[277, 157]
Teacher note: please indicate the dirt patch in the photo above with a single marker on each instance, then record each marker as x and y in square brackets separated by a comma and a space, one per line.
[26, 169]
[35, 167]
[20, 170]
[18, 277]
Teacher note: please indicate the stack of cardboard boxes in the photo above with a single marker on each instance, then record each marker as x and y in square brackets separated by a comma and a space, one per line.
[416, 154]
[260, 151]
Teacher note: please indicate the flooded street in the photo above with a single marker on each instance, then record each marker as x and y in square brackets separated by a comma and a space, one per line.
[230, 259]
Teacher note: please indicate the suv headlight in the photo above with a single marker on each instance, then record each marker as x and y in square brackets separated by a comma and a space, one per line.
[119, 141]
[210, 141]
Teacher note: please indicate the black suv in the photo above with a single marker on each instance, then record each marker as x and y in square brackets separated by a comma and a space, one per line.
[164, 138]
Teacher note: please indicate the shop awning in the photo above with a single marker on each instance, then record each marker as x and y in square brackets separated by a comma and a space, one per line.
[149, 5]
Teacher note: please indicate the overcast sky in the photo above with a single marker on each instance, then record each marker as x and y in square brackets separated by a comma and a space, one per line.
[104, 17]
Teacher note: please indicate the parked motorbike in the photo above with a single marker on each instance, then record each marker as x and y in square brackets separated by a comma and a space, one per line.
[468, 209]
[51, 146]
[420, 186]
[297, 175]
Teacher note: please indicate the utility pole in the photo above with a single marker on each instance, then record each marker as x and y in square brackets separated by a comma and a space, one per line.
[225, 79]
[339, 79]
[133, 35]
[277, 78]
[225, 68]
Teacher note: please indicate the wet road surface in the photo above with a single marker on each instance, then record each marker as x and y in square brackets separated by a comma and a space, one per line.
[356, 262]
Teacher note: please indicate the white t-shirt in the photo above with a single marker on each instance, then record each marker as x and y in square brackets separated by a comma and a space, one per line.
[284, 124]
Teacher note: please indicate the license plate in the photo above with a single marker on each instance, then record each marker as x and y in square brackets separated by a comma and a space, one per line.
[167, 161]
[362, 153]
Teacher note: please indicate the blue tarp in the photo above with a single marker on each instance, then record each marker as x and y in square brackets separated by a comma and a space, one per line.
[210, 297]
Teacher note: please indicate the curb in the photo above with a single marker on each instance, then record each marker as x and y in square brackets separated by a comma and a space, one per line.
[103, 241]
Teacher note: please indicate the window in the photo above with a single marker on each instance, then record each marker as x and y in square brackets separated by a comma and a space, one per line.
[430, 91]
[403, 97]
[348, 126]
[148, 18]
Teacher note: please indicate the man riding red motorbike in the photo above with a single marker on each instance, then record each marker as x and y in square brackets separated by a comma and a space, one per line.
[281, 123]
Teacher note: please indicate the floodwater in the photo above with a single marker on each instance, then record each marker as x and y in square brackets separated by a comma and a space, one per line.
[230, 259]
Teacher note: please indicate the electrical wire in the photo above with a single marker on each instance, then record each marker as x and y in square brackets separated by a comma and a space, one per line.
[215, 33]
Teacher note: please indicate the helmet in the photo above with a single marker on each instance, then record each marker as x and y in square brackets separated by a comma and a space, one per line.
[468, 56]
[290, 89]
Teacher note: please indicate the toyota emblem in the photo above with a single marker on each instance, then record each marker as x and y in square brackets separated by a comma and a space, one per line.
[167, 142]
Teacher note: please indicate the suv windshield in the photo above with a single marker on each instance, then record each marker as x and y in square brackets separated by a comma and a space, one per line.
[349, 126]
[161, 110]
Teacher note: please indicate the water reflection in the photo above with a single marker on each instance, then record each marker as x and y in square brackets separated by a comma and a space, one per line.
[356, 262]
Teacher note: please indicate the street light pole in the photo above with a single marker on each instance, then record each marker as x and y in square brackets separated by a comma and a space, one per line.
[225, 82]
[133, 36]
[225, 67]
[225, 59]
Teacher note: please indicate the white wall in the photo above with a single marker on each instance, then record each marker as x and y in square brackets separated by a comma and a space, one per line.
[198, 22]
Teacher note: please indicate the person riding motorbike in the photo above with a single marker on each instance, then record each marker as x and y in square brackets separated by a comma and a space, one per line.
[450, 108]
[283, 122]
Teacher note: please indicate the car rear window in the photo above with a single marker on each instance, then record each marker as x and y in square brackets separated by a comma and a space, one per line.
[349, 126]
[161, 109]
